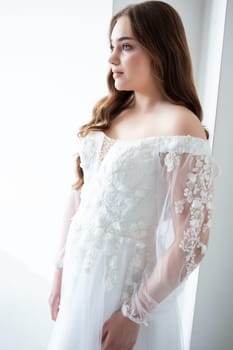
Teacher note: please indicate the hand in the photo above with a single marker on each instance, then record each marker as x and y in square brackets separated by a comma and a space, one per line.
[119, 333]
[55, 295]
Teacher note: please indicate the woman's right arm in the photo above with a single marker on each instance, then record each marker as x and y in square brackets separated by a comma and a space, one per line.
[71, 207]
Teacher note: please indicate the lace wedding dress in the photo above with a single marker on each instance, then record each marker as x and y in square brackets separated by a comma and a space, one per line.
[133, 234]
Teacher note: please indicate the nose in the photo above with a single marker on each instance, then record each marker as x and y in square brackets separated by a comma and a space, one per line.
[114, 58]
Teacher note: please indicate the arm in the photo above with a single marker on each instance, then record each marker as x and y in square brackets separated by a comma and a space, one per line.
[71, 207]
[190, 235]
[188, 204]
[55, 294]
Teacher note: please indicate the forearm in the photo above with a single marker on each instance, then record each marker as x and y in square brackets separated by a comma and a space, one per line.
[73, 203]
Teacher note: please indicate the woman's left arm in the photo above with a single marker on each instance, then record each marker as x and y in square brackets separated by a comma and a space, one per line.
[189, 205]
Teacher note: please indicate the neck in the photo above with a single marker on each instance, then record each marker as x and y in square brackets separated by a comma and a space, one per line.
[148, 100]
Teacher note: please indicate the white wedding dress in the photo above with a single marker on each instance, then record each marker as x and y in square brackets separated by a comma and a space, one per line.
[137, 227]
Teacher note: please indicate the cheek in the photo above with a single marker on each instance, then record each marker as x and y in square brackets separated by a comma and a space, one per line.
[141, 63]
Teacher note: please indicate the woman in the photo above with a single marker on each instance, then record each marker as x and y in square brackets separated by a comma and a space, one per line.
[140, 210]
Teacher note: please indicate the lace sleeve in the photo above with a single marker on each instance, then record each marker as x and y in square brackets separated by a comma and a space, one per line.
[71, 207]
[188, 207]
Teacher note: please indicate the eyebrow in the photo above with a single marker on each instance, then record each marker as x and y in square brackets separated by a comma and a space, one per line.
[124, 38]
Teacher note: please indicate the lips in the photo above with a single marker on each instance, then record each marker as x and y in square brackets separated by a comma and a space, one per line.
[116, 74]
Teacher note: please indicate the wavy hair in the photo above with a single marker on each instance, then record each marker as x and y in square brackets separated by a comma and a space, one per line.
[159, 29]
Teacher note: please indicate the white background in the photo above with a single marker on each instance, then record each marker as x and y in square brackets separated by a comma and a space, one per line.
[53, 64]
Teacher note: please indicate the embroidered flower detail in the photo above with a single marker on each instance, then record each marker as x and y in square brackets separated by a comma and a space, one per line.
[104, 230]
[198, 196]
[137, 230]
[171, 160]
[188, 193]
[192, 178]
[197, 204]
[179, 206]
[106, 145]
[117, 204]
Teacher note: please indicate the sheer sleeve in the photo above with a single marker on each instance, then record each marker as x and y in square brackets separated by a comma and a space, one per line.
[186, 211]
[70, 209]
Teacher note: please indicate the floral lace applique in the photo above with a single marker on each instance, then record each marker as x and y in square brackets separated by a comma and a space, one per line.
[87, 150]
[106, 145]
[171, 160]
[198, 196]
[116, 202]
[107, 231]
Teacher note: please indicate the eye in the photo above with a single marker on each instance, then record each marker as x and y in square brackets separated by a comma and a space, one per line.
[126, 47]
[111, 48]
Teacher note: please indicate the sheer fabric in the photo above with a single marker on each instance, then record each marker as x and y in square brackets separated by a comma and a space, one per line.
[72, 205]
[188, 207]
[141, 226]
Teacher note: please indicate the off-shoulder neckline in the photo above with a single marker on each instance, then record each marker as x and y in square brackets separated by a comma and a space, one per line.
[153, 138]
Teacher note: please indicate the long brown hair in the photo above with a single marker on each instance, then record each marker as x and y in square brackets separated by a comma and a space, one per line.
[159, 29]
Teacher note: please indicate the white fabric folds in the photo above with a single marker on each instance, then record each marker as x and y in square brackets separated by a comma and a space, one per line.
[139, 228]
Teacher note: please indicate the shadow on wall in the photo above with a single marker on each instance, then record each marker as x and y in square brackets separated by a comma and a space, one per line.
[25, 322]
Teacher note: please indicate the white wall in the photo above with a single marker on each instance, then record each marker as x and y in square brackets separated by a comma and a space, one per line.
[214, 12]
[53, 62]
[213, 322]
[24, 318]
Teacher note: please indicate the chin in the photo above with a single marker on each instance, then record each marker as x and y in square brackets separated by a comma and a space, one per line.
[122, 87]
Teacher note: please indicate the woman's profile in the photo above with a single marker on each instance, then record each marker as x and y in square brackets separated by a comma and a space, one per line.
[138, 220]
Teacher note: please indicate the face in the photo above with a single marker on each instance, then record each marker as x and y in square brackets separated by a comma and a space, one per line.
[129, 61]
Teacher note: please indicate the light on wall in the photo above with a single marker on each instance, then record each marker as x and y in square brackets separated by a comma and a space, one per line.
[53, 66]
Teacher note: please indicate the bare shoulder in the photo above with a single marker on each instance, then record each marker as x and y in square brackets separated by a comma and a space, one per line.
[179, 120]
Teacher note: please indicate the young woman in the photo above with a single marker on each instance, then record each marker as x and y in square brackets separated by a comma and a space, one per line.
[138, 221]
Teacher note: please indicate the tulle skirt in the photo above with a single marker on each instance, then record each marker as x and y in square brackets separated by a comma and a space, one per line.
[86, 304]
